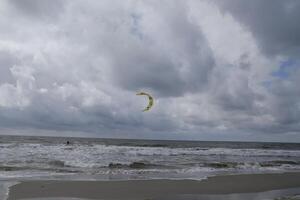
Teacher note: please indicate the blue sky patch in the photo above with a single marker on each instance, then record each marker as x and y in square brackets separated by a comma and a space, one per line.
[285, 68]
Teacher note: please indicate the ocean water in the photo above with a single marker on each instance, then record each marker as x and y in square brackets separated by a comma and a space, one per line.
[115, 159]
[35, 158]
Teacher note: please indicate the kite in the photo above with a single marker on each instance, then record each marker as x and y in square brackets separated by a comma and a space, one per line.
[151, 101]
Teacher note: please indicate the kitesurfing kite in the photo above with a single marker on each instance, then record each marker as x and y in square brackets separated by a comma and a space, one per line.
[151, 101]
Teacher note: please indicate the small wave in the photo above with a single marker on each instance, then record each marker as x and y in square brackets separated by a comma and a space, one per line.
[222, 165]
[278, 163]
[295, 197]
[10, 168]
[245, 165]
[139, 165]
[142, 145]
[153, 145]
[133, 165]
[57, 163]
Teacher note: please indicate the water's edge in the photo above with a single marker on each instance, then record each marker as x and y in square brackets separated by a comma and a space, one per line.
[4, 188]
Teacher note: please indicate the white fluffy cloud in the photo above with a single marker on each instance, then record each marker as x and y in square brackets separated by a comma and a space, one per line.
[74, 67]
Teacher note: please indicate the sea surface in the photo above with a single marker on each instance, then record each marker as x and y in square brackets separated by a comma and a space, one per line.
[36, 158]
[114, 159]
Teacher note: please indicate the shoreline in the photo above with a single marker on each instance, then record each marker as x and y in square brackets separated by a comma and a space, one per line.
[143, 189]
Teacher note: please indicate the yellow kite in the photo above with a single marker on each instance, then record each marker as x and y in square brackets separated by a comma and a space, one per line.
[151, 101]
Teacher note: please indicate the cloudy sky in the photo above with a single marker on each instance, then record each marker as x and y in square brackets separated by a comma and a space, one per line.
[219, 70]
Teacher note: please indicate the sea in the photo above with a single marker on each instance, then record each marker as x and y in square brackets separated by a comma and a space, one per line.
[65, 158]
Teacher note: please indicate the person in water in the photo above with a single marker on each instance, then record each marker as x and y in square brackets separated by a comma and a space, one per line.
[68, 142]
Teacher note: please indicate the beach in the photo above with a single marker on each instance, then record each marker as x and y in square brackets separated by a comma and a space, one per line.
[47, 168]
[154, 189]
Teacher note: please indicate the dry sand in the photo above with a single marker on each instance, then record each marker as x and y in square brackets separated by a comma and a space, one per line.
[147, 189]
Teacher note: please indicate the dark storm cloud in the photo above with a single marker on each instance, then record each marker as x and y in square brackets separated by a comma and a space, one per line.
[274, 23]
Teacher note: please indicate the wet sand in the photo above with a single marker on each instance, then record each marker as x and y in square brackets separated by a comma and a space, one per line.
[153, 189]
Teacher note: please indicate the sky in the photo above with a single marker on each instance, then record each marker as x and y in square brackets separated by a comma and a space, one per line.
[218, 70]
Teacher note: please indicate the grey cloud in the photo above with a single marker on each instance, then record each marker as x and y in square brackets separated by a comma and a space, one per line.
[239, 97]
[273, 22]
[46, 9]
[286, 102]
[6, 62]
[171, 64]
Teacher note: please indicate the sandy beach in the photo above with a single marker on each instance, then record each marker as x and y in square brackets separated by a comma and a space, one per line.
[153, 189]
